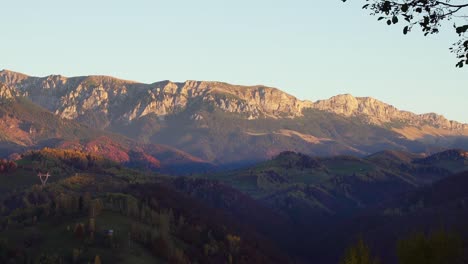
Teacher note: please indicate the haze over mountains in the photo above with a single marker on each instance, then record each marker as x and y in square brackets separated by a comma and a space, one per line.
[222, 123]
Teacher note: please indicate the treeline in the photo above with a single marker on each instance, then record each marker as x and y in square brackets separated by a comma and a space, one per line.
[50, 158]
[436, 247]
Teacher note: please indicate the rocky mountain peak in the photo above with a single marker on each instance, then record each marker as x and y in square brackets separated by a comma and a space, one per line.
[379, 113]
[9, 77]
[348, 105]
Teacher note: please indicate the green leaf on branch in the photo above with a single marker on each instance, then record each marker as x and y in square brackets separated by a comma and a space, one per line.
[404, 8]
[462, 29]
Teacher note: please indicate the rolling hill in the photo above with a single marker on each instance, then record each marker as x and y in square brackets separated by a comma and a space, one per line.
[94, 208]
[382, 197]
[308, 207]
[322, 186]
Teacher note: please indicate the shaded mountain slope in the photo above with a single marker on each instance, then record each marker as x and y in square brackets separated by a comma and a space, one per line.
[247, 211]
[440, 206]
[300, 184]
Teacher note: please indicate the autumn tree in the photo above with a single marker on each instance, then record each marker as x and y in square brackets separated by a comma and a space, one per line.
[233, 243]
[359, 254]
[97, 259]
[7, 165]
[427, 15]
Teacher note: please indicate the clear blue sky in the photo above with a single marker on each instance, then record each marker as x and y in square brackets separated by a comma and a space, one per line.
[311, 49]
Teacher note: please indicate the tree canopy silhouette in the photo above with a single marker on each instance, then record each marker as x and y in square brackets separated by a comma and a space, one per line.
[427, 15]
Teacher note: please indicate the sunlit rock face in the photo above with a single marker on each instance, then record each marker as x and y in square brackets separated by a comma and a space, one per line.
[120, 101]
[125, 100]
[379, 113]
[6, 92]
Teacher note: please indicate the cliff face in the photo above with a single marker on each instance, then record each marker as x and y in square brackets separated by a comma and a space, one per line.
[113, 101]
[6, 92]
[379, 113]
[120, 100]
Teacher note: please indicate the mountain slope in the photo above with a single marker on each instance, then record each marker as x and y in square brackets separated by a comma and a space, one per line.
[123, 101]
[25, 125]
[231, 124]
[409, 125]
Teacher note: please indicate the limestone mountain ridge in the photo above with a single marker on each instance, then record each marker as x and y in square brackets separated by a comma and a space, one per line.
[232, 124]
[377, 112]
[118, 100]
[121, 100]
